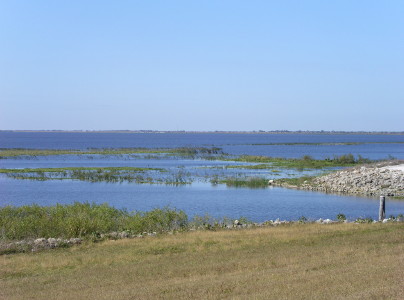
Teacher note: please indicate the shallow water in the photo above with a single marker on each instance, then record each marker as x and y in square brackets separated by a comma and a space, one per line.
[201, 196]
[231, 143]
[196, 199]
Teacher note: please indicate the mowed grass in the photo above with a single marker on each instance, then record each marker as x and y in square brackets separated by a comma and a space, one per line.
[311, 261]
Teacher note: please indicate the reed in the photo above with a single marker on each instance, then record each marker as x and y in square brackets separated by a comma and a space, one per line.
[253, 182]
[306, 162]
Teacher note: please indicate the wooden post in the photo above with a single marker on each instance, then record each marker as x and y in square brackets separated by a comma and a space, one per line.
[382, 208]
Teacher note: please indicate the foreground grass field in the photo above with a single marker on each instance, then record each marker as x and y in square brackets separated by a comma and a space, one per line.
[311, 261]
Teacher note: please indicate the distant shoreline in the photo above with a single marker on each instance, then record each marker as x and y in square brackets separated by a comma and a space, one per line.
[214, 132]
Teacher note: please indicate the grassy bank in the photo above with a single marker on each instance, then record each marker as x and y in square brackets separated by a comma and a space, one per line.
[339, 261]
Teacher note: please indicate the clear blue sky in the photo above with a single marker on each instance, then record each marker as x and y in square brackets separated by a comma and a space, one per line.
[202, 65]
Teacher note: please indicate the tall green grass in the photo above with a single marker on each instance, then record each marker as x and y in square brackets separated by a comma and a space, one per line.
[253, 182]
[83, 220]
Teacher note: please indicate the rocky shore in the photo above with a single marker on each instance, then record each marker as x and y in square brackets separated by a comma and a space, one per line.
[385, 179]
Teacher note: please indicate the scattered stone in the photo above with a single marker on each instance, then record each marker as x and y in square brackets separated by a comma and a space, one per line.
[373, 180]
[40, 241]
[123, 235]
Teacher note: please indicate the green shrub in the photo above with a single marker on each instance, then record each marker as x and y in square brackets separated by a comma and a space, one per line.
[341, 217]
[302, 219]
[364, 220]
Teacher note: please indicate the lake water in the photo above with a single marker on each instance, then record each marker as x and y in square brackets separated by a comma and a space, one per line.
[200, 197]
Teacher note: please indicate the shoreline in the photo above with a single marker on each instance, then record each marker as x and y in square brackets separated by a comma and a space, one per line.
[319, 132]
[380, 179]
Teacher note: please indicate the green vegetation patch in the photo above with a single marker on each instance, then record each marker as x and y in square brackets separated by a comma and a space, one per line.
[99, 169]
[306, 162]
[92, 174]
[83, 220]
[296, 181]
[253, 182]
[185, 151]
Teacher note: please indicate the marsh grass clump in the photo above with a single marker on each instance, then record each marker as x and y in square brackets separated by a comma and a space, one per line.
[106, 174]
[253, 182]
[364, 220]
[296, 181]
[305, 162]
[83, 220]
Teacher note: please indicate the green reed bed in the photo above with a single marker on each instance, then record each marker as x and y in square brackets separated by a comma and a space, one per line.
[107, 174]
[83, 220]
[306, 162]
[253, 182]
[182, 151]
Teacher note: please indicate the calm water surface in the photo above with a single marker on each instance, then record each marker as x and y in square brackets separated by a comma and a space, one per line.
[200, 197]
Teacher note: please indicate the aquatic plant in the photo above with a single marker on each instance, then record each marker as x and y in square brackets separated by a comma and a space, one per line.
[107, 174]
[306, 162]
[253, 182]
[182, 151]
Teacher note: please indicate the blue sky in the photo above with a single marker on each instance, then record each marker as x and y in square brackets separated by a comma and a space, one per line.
[202, 65]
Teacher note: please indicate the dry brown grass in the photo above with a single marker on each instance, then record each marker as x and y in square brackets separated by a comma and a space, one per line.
[342, 261]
